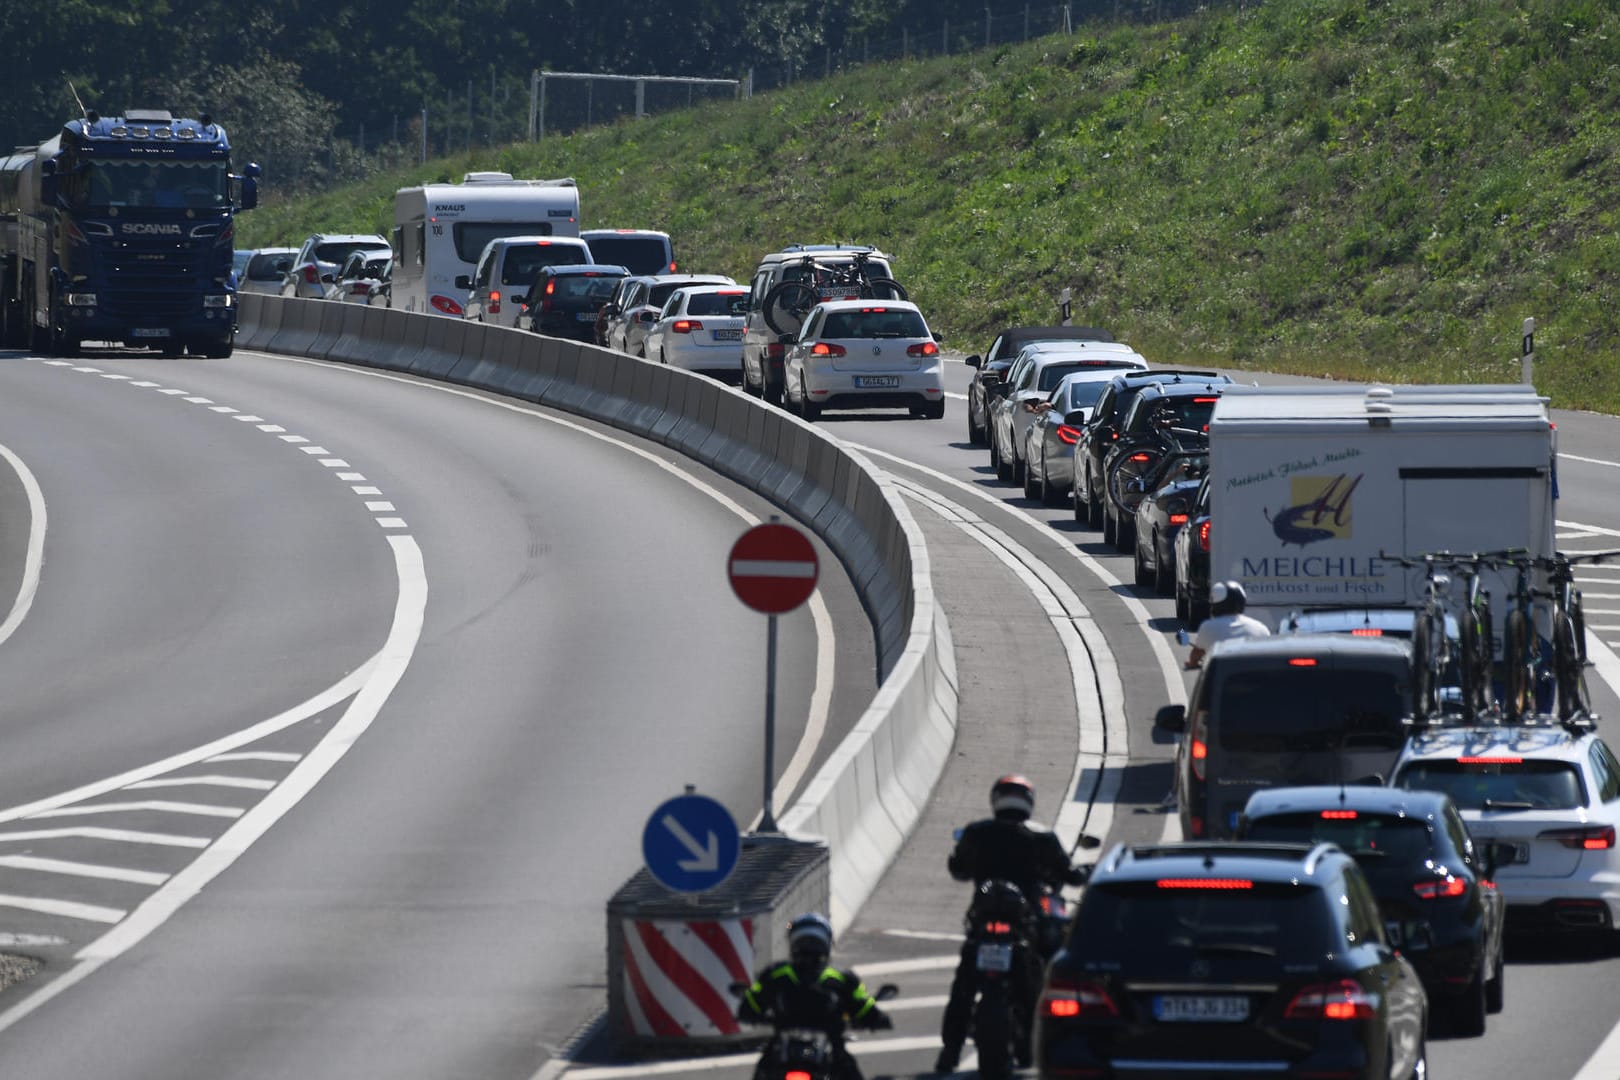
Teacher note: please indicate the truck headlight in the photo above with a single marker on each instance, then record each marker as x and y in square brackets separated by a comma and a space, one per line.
[81, 299]
[218, 300]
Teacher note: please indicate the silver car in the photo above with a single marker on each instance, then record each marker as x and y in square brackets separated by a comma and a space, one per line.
[1054, 428]
[701, 329]
[266, 270]
[1035, 373]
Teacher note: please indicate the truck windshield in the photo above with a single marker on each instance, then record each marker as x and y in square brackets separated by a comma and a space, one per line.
[175, 185]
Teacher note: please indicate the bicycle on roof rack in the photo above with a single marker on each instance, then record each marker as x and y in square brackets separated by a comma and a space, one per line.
[1522, 654]
[1432, 653]
[788, 304]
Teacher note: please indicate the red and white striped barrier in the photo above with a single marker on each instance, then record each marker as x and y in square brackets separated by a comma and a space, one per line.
[678, 975]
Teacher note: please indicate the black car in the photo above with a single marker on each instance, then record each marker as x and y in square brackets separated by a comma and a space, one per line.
[1102, 431]
[1163, 419]
[1434, 885]
[1230, 959]
[1163, 511]
[1192, 561]
[563, 301]
[991, 368]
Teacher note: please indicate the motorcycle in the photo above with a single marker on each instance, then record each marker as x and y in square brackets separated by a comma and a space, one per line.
[801, 1053]
[1001, 926]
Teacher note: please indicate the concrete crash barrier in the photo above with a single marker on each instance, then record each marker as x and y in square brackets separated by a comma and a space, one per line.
[867, 797]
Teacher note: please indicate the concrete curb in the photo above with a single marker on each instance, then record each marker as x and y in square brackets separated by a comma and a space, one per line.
[869, 794]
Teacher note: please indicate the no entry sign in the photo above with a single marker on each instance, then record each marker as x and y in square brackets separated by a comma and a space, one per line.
[773, 568]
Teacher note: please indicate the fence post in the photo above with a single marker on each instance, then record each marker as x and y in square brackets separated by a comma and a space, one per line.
[1068, 21]
[905, 44]
[424, 135]
[987, 26]
[945, 39]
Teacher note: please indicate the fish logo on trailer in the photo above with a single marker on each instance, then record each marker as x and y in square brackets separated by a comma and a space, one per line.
[1319, 509]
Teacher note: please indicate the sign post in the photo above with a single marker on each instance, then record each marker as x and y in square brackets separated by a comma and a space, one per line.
[1528, 351]
[773, 569]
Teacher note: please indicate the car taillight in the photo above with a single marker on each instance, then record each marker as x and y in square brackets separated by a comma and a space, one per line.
[1069, 435]
[1446, 888]
[1366, 631]
[684, 326]
[774, 352]
[311, 275]
[1140, 458]
[494, 302]
[1219, 884]
[1070, 999]
[1339, 815]
[1197, 746]
[361, 288]
[824, 348]
[1343, 1000]
[1203, 536]
[1476, 759]
[796, 1074]
[922, 348]
[1590, 838]
[1302, 661]
[447, 305]
[1178, 519]
[996, 927]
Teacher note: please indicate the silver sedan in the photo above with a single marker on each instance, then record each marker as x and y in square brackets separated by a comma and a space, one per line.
[1054, 429]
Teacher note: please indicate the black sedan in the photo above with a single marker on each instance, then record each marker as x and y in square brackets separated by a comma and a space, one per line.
[1192, 561]
[991, 368]
[1433, 883]
[1161, 514]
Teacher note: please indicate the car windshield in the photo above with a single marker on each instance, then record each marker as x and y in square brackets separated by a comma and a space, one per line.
[336, 252]
[1502, 783]
[269, 267]
[583, 286]
[874, 322]
[1367, 836]
[1053, 374]
[1175, 468]
[723, 303]
[472, 237]
[1078, 394]
[1158, 926]
[175, 185]
[523, 260]
[639, 254]
[1288, 709]
[371, 268]
[1191, 413]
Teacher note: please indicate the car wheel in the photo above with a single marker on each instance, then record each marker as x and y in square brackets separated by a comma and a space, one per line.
[1094, 507]
[808, 409]
[1032, 487]
[1494, 989]
[1019, 468]
[1050, 496]
[1081, 517]
[1124, 532]
[1110, 530]
[1144, 576]
[1164, 572]
[772, 395]
[662, 359]
[934, 410]
[975, 433]
[1183, 612]
[1468, 1009]
[1004, 469]
[1197, 612]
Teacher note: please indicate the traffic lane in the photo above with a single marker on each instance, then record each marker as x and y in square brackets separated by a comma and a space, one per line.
[573, 673]
[16, 517]
[200, 575]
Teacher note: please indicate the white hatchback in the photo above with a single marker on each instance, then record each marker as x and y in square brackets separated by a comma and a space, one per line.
[1549, 794]
[855, 354]
[700, 329]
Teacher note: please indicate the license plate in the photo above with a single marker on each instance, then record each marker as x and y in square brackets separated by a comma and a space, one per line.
[585, 316]
[838, 292]
[1200, 1008]
[149, 331]
[728, 335]
[877, 382]
[995, 958]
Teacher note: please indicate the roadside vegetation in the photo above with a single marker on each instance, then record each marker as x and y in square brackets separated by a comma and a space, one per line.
[1364, 189]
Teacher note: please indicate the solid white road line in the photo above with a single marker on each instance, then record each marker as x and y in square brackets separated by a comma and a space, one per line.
[88, 870]
[158, 805]
[255, 755]
[34, 557]
[243, 782]
[1590, 461]
[120, 836]
[63, 908]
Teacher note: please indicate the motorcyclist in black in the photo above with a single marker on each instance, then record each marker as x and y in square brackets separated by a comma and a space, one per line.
[808, 993]
[1007, 847]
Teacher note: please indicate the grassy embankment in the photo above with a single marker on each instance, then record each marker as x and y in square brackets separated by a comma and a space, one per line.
[1367, 189]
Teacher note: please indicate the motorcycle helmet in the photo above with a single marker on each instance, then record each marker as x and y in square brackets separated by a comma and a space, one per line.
[810, 942]
[1227, 598]
[1013, 796]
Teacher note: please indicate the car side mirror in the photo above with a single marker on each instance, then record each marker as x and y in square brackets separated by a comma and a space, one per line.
[937, 338]
[328, 278]
[463, 281]
[648, 317]
[1077, 418]
[1171, 718]
[1089, 842]
[1497, 855]
[790, 339]
[974, 361]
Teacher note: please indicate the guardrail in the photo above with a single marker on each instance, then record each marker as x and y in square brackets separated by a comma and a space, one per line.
[869, 794]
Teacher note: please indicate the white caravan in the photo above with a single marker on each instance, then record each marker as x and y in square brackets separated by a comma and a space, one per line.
[440, 230]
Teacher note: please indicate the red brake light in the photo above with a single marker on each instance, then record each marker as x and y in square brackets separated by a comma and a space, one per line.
[1068, 435]
[1178, 519]
[1339, 815]
[1302, 661]
[796, 1074]
[1205, 400]
[551, 286]
[823, 348]
[922, 348]
[685, 326]
[494, 302]
[1366, 631]
[1066, 999]
[1343, 1000]
[1591, 838]
[311, 275]
[446, 305]
[361, 288]
[1203, 536]
[874, 310]
[998, 928]
[1204, 883]
[1140, 457]
[1499, 760]
[1441, 888]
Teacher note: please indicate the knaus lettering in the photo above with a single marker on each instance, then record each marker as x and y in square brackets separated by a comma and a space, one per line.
[449, 208]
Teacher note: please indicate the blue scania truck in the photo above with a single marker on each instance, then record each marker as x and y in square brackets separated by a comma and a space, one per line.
[119, 230]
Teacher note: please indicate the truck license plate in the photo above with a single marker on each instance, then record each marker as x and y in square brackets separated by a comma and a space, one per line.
[877, 382]
[585, 316]
[149, 331]
[995, 957]
[1201, 1008]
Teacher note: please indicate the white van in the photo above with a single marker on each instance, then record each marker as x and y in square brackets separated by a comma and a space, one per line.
[507, 268]
[441, 229]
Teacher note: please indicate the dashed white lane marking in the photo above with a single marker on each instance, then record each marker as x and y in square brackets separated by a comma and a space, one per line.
[197, 400]
[145, 384]
[314, 451]
[271, 428]
[293, 439]
[118, 836]
[352, 477]
[391, 522]
[366, 489]
[64, 908]
[113, 375]
[171, 391]
[88, 370]
[79, 869]
[335, 463]
[379, 507]
[1590, 460]
[925, 935]
[244, 783]
[222, 409]
[256, 755]
[161, 806]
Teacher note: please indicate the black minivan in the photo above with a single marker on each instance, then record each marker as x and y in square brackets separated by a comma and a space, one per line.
[1285, 711]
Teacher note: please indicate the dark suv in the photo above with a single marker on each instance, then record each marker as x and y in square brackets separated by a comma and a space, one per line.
[1230, 959]
[1164, 418]
[1435, 886]
[1102, 431]
[1285, 711]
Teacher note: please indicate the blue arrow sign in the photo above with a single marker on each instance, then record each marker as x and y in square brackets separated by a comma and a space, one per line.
[690, 843]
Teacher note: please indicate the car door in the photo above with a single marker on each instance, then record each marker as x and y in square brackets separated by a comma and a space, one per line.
[479, 292]
[793, 364]
[1395, 978]
[673, 309]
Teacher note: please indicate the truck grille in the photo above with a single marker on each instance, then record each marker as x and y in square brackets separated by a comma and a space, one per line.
[148, 304]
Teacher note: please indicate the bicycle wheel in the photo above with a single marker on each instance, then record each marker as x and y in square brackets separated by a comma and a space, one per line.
[1577, 615]
[1424, 696]
[1518, 665]
[882, 288]
[1474, 674]
[788, 305]
[1568, 669]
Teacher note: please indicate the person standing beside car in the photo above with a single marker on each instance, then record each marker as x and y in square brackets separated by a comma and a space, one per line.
[1226, 621]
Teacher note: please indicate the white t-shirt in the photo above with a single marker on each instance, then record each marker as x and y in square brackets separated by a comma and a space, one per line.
[1225, 627]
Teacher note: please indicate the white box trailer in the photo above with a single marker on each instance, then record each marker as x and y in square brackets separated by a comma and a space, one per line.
[440, 230]
[1312, 487]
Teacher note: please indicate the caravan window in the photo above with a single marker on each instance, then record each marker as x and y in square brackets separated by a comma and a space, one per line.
[472, 236]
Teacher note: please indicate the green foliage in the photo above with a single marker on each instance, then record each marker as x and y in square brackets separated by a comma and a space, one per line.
[1334, 187]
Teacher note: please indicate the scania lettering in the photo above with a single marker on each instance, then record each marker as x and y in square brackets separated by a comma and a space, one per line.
[440, 230]
[120, 230]
[1315, 490]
